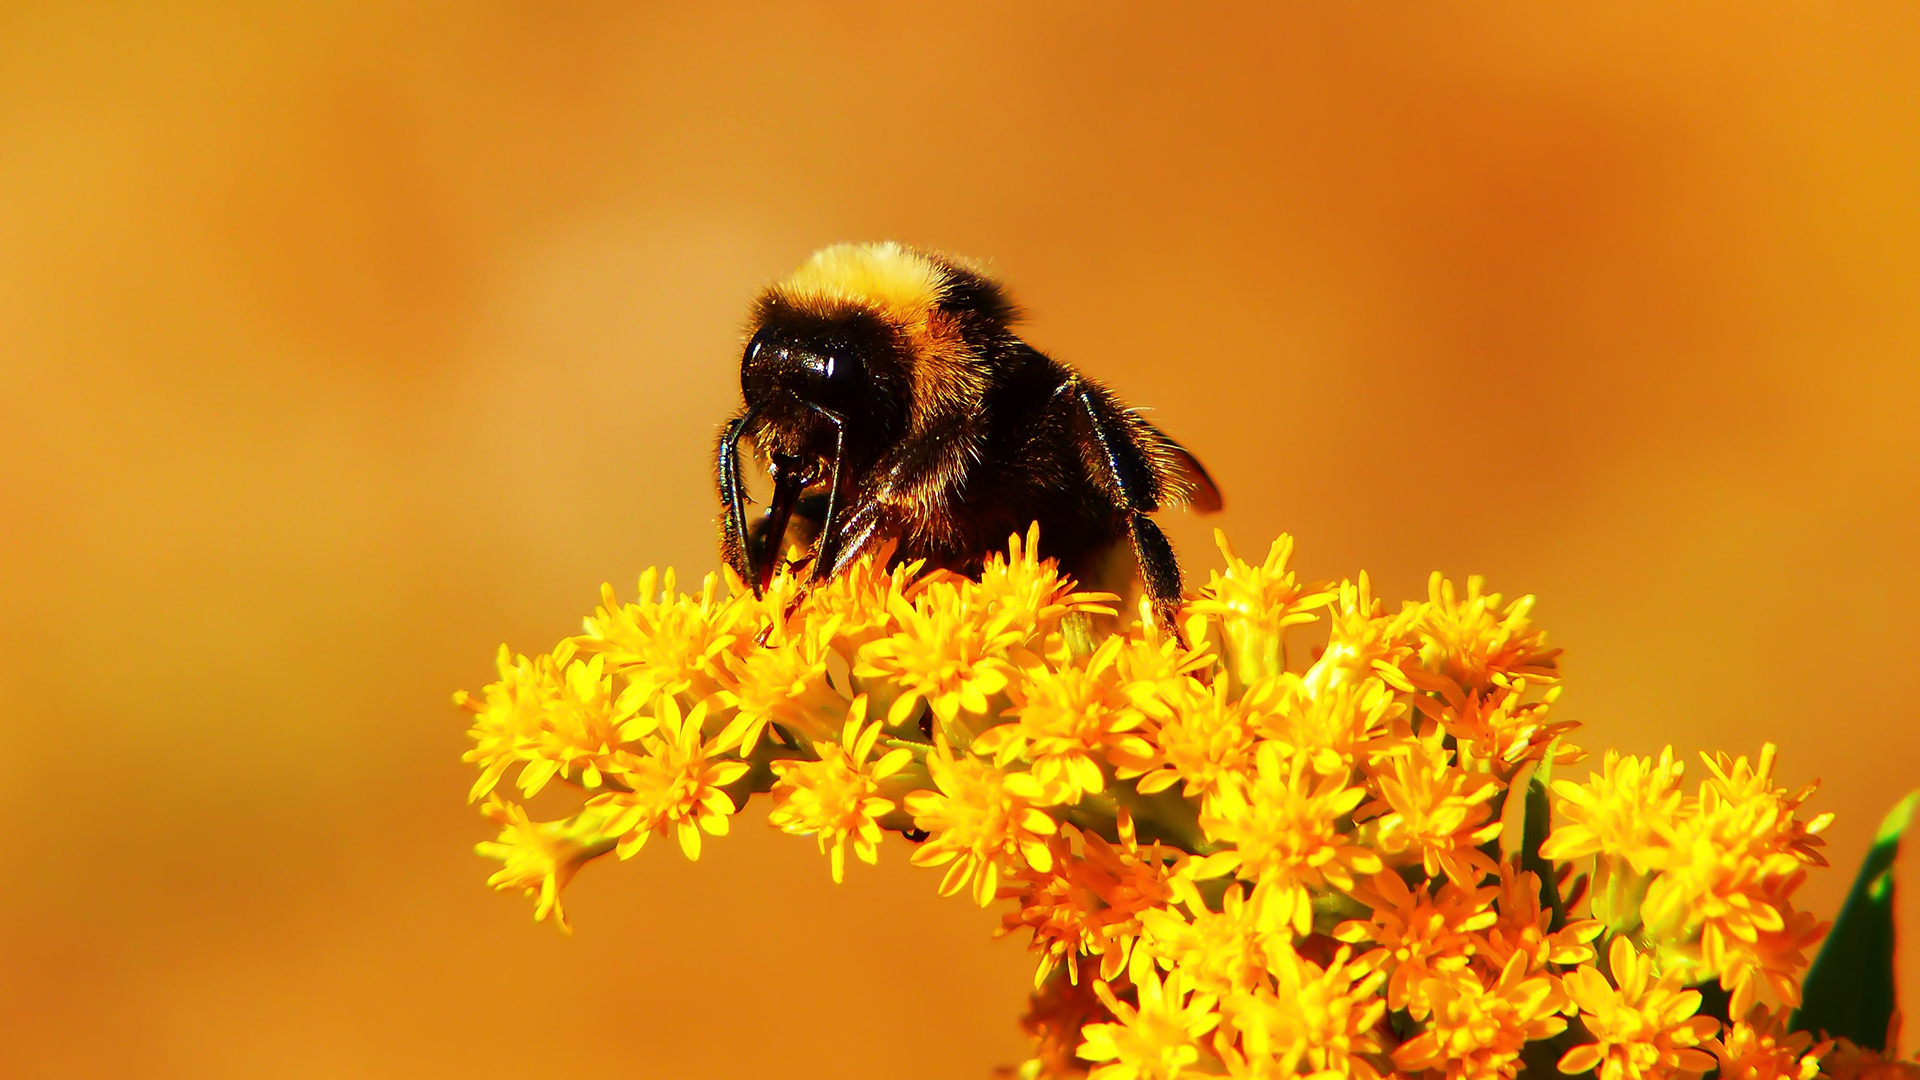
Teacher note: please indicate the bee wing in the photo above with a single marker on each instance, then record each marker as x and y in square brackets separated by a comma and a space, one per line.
[1183, 472]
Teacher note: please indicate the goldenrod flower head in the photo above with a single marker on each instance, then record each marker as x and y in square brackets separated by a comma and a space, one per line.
[785, 684]
[1420, 936]
[1056, 1015]
[1500, 730]
[859, 600]
[1151, 660]
[1253, 606]
[1062, 910]
[1522, 926]
[583, 727]
[1030, 593]
[1706, 881]
[676, 785]
[980, 820]
[1745, 808]
[1624, 811]
[947, 652]
[1849, 1061]
[1476, 644]
[554, 716]
[1337, 726]
[1363, 641]
[1221, 951]
[1716, 916]
[507, 719]
[665, 642]
[1070, 718]
[1644, 1028]
[1759, 1047]
[1090, 902]
[539, 858]
[1429, 809]
[1287, 828]
[1157, 1039]
[1322, 890]
[1476, 1030]
[1204, 741]
[836, 799]
[1320, 1021]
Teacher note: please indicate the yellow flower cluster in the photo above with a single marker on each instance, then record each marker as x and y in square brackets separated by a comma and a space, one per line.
[1233, 854]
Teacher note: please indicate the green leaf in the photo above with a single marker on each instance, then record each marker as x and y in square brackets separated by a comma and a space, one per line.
[1849, 990]
[1533, 832]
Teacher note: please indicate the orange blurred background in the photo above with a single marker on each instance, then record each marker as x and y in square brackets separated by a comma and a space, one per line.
[341, 342]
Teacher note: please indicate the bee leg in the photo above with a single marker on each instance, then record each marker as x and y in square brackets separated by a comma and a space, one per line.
[734, 538]
[857, 531]
[1120, 465]
[1159, 570]
[827, 556]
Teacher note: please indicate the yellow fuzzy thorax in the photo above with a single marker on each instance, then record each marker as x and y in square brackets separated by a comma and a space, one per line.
[1240, 853]
[891, 279]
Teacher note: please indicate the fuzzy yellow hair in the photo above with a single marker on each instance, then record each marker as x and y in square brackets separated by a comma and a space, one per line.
[894, 280]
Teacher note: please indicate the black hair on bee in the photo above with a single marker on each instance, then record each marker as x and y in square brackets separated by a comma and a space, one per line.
[889, 398]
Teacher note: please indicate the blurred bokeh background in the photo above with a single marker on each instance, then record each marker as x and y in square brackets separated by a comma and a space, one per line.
[340, 342]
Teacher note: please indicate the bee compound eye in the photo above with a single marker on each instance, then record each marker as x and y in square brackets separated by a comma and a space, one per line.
[842, 370]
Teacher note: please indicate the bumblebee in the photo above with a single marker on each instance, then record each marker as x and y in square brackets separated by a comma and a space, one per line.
[889, 399]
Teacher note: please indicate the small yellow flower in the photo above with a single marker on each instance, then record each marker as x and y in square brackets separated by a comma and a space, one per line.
[859, 599]
[1501, 730]
[1253, 607]
[508, 717]
[784, 684]
[1319, 1021]
[1030, 593]
[1090, 903]
[1847, 1061]
[1758, 1047]
[1203, 741]
[1070, 718]
[1646, 1028]
[980, 819]
[837, 798]
[1418, 935]
[1287, 830]
[1364, 642]
[1520, 927]
[1157, 1040]
[1062, 910]
[1151, 660]
[1723, 904]
[1622, 812]
[1432, 810]
[1221, 951]
[946, 651]
[665, 642]
[1337, 725]
[1056, 1014]
[1476, 644]
[539, 858]
[582, 729]
[1476, 1031]
[675, 786]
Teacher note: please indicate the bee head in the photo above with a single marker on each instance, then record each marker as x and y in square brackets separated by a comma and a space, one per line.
[798, 367]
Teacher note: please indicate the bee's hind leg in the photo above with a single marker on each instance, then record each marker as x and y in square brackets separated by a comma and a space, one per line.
[1123, 468]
